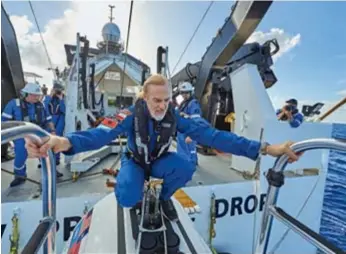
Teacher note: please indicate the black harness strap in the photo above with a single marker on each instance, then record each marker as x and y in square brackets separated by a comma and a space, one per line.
[39, 118]
[165, 129]
[54, 106]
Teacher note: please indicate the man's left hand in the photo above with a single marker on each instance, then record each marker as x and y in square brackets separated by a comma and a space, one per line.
[280, 149]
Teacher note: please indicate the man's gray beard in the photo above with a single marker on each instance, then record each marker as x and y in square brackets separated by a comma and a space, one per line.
[159, 118]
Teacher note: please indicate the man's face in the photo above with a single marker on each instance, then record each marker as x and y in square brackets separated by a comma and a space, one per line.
[33, 98]
[157, 99]
[186, 95]
[290, 106]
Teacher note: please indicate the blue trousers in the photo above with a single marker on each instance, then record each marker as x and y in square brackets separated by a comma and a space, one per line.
[172, 168]
[188, 151]
[20, 157]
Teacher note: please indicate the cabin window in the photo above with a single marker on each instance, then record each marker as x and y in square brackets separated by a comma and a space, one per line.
[112, 101]
[113, 75]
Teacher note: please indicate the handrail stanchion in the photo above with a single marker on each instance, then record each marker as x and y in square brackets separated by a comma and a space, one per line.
[273, 192]
[13, 130]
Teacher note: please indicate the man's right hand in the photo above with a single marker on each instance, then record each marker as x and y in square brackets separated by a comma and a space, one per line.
[56, 143]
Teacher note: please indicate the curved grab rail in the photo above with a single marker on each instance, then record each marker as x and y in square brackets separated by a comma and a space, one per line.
[269, 208]
[13, 130]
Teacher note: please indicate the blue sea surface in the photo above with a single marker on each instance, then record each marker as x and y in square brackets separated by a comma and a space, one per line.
[333, 219]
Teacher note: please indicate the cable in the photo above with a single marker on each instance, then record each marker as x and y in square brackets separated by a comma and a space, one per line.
[193, 35]
[44, 44]
[126, 49]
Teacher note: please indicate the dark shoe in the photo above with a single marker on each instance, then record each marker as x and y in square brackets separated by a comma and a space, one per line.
[57, 164]
[168, 210]
[58, 174]
[17, 181]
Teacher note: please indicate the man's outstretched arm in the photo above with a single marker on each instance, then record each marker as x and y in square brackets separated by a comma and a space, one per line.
[201, 131]
[80, 141]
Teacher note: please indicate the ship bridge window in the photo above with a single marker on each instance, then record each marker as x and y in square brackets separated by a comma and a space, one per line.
[111, 101]
[112, 75]
[115, 101]
[126, 101]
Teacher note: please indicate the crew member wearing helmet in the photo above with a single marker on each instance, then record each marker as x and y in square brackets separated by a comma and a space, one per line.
[190, 108]
[28, 108]
[55, 104]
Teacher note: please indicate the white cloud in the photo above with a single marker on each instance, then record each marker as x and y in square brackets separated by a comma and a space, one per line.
[85, 18]
[286, 41]
[88, 18]
[339, 116]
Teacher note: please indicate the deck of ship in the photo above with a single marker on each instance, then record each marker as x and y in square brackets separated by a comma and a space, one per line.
[211, 170]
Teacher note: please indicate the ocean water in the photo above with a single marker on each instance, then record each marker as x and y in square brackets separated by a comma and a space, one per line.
[333, 219]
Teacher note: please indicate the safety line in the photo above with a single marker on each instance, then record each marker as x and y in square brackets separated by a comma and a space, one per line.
[193, 35]
[43, 42]
[126, 49]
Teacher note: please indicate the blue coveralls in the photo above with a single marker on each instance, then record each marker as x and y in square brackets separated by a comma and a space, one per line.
[171, 167]
[189, 151]
[13, 112]
[297, 119]
[57, 109]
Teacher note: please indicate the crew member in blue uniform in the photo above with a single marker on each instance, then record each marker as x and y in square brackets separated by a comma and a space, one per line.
[28, 108]
[56, 107]
[290, 113]
[150, 126]
[190, 107]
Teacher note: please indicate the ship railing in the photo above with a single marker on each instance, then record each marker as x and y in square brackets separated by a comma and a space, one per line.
[275, 179]
[45, 233]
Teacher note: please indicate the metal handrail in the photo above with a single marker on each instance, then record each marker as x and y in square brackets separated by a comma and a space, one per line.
[13, 130]
[272, 193]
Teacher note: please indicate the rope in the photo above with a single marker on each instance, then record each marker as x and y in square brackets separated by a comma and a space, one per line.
[126, 49]
[193, 35]
[43, 42]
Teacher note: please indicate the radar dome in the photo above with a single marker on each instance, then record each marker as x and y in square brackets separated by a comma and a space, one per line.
[111, 32]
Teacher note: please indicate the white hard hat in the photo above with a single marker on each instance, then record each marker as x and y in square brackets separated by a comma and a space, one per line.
[32, 88]
[186, 87]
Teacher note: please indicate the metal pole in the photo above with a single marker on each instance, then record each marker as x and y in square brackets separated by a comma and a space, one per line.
[333, 109]
[13, 130]
[273, 192]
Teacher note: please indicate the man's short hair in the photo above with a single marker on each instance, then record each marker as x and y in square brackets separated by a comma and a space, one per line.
[155, 79]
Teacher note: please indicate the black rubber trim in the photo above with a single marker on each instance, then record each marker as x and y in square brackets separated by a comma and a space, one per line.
[38, 237]
[310, 232]
[134, 223]
[186, 238]
[121, 231]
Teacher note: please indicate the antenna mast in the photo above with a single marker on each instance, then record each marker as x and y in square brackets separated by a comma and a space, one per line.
[111, 9]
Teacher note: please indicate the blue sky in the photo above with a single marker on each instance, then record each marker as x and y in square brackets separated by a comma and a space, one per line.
[312, 70]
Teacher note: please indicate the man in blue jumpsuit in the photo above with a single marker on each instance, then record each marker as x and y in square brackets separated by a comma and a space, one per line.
[56, 107]
[190, 107]
[290, 113]
[150, 126]
[28, 108]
